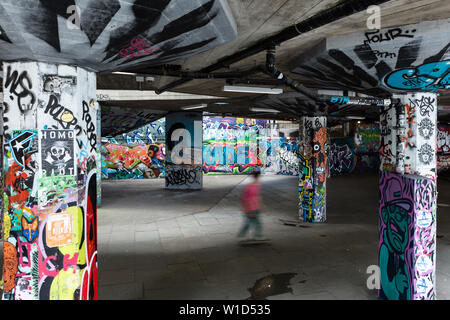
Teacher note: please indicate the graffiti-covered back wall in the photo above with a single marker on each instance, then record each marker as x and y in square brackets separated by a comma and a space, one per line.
[238, 145]
[443, 149]
[361, 153]
[137, 154]
[50, 150]
[230, 146]
[355, 154]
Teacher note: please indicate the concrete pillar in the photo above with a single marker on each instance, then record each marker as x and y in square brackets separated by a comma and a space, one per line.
[184, 140]
[99, 157]
[407, 213]
[50, 150]
[312, 169]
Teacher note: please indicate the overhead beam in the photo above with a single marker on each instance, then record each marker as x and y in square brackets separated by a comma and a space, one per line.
[330, 15]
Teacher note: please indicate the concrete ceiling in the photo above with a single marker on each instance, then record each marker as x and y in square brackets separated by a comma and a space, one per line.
[108, 26]
[260, 19]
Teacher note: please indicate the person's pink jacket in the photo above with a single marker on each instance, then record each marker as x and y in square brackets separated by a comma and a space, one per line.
[250, 198]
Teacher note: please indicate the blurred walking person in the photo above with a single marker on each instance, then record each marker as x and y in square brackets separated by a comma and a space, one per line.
[252, 205]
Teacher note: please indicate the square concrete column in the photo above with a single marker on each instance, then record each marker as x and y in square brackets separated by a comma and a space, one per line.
[312, 169]
[99, 157]
[50, 183]
[184, 142]
[407, 213]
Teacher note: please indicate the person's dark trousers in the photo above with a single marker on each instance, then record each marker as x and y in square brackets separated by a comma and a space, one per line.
[251, 221]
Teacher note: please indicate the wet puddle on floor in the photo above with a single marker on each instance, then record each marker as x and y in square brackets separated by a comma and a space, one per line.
[272, 285]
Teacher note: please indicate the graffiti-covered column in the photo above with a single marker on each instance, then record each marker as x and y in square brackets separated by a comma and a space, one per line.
[407, 213]
[99, 156]
[50, 150]
[184, 141]
[312, 169]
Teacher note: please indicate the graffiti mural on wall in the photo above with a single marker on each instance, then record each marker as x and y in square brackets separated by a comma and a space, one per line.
[367, 139]
[443, 139]
[443, 149]
[154, 132]
[50, 187]
[121, 161]
[305, 188]
[443, 163]
[230, 144]
[341, 156]
[236, 146]
[407, 231]
[279, 155]
[137, 154]
[116, 121]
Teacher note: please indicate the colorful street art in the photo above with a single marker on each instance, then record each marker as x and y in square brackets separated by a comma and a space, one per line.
[50, 183]
[443, 163]
[443, 139]
[138, 154]
[151, 133]
[238, 145]
[367, 139]
[355, 155]
[313, 169]
[132, 162]
[230, 145]
[341, 156]
[279, 155]
[443, 149]
[432, 77]
[407, 228]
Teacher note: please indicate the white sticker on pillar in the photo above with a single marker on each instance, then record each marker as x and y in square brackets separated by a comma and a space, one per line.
[420, 147]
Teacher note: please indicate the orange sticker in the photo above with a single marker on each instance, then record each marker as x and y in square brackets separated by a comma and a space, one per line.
[59, 229]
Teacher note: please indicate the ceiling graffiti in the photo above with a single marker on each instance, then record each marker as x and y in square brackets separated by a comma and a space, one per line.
[380, 62]
[117, 120]
[107, 35]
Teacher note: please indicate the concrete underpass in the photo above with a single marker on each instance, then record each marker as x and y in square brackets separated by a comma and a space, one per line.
[140, 140]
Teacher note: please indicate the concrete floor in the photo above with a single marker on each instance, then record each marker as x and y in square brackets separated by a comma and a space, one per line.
[158, 244]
